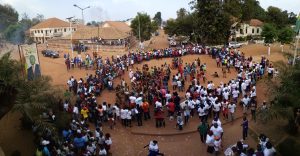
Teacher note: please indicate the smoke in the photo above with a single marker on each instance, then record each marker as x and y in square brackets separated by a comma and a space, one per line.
[97, 13]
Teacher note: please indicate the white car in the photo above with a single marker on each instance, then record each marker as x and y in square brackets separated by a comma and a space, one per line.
[234, 45]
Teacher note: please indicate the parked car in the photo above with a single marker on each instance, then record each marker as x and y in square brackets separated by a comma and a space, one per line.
[50, 53]
[234, 45]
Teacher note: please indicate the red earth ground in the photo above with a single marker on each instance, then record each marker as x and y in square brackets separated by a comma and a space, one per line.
[130, 141]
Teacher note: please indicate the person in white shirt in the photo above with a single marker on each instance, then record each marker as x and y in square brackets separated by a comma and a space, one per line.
[139, 100]
[179, 85]
[210, 142]
[217, 145]
[128, 117]
[132, 99]
[269, 150]
[231, 108]
[153, 148]
[102, 151]
[235, 95]
[226, 95]
[123, 116]
[217, 121]
[75, 112]
[202, 112]
[244, 87]
[217, 130]
[246, 102]
[216, 108]
[158, 104]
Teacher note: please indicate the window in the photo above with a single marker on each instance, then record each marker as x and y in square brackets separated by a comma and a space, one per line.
[55, 30]
[65, 30]
[50, 31]
[257, 31]
[252, 30]
[241, 31]
[41, 31]
[246, 30]
[35, 31]
[38, 31]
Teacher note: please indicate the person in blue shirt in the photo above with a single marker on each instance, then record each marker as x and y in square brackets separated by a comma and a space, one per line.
[245, 128]
[79, 142]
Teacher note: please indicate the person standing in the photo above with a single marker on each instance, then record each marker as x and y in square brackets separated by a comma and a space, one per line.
[202, 129]
[245, 128]
[231, 108]
[253, 110]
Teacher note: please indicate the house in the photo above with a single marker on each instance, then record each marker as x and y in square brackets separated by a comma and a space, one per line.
[245, 29]
[50, 28]
[121, 26]
[100, 35]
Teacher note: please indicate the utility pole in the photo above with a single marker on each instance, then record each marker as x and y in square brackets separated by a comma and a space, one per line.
[71, 36]
[82, 9]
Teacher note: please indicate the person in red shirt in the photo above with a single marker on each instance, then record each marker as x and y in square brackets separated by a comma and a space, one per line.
[145, 107]
[171, 109]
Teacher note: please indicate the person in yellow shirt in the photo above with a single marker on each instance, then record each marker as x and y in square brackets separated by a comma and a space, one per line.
[84, 112]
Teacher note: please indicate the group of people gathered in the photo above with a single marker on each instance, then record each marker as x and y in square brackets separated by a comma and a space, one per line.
[148, 95]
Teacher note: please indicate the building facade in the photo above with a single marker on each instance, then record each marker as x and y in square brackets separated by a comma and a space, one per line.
[50, 28]
[243, 30]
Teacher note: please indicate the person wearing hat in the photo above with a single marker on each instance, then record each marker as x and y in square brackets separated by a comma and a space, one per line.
[202, 129]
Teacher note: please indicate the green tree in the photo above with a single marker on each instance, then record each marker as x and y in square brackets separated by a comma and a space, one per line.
[171, 27]
[269, 32]
[8, 16]
[10, 79]
[142, 26]
[285, 35]
[292, 18]
[157, 18]
[212, 23]
[284, 93]
[233, 7]
[277, 17]
[251, 9]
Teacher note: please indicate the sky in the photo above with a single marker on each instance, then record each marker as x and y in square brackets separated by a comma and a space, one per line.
[101, 10]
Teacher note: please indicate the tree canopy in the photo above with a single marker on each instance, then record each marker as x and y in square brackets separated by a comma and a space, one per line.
[143, 27]
[8, 16]
[269, 32]
[157, 18]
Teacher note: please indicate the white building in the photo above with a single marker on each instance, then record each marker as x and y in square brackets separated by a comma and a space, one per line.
[50, 28]
[251, 28]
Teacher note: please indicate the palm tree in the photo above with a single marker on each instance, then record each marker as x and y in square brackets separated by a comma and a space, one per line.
[36, 98]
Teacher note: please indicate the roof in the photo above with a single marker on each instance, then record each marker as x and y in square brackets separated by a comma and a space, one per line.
[255, 23]
[108, 33]
[122, 26]
[51, 23]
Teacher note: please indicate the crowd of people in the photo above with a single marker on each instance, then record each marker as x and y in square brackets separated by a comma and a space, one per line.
[150, 95]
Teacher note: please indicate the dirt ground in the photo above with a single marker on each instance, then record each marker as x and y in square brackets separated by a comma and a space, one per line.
[124, 142]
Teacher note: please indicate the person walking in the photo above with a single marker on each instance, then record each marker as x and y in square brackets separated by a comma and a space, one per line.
[202, 129]
[210, 142]
[245, 128]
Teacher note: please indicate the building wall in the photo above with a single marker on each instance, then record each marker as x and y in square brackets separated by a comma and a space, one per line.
[43, 34]
[246, 30]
